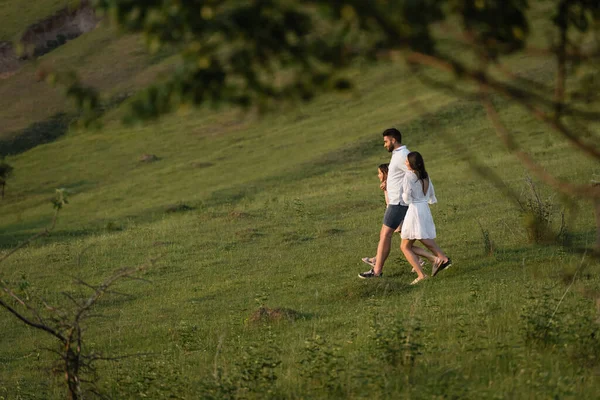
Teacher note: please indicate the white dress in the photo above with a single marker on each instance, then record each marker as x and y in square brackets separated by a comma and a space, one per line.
[418, 223]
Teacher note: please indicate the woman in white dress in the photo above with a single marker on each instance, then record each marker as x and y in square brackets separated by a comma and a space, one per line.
[418, 193]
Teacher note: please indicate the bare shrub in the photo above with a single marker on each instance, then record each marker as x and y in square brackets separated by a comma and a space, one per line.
[65, 322]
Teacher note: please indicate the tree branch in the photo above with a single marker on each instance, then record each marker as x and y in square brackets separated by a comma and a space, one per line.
[479, 168]
[505, 136]
[561, 56]
[100, 290]
[31, 323]
[515, 94]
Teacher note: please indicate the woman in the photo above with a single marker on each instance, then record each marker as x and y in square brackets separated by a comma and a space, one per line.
[418, 193]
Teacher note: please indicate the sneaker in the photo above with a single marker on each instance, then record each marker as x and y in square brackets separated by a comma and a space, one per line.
[419, 279]
[438, 267]
[369, 274]
[369, 260]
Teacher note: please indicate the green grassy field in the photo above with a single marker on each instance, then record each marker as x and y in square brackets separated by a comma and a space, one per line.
[282, 208]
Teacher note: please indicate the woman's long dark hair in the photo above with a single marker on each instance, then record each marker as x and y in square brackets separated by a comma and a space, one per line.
[415, 159]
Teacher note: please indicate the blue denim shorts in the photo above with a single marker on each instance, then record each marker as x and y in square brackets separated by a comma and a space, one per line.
[394, 215]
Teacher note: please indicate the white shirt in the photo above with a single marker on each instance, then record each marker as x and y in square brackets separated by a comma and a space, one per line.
[412, 190]
[396, 171]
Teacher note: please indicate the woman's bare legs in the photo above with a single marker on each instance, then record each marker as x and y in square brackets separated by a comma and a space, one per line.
[435, 249]
[413, 259]
[423, 253]
[416, 249]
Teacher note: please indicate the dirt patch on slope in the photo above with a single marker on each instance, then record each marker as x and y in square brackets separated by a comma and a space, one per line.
[9, 62]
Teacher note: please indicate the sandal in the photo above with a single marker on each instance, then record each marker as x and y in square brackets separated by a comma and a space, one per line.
[440, 266]
[419, 279]
[369, 260]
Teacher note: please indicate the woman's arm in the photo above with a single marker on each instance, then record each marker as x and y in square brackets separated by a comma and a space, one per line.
[407, 188]
[432, 199]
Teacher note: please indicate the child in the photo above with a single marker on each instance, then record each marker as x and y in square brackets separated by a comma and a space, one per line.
[382, 173]
[418, 193]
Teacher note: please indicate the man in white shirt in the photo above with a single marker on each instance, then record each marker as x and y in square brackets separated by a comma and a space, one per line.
[396, 209]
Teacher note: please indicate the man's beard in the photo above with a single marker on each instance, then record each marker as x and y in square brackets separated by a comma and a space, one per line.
[390, 149]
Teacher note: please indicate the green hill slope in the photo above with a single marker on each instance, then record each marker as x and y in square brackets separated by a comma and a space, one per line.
[17, 15]
[280, 209]
[117, 65]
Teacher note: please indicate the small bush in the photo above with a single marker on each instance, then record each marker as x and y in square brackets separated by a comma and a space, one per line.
[219, 388]
[186, 336]
[540, 216]
[113, 227]
[581, 334]
[539, 318]
[488, 244]
[258, 371]
[322, 368]
[568, 325]
[396, 343]
[149, 378]
[5, 172]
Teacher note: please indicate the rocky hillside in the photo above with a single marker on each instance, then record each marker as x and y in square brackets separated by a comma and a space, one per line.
[46, 35]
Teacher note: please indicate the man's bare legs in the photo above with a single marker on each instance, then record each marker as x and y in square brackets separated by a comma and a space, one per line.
[383, 248]
[411, 256]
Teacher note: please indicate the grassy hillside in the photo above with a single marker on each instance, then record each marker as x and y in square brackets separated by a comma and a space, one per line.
[116, 64]
[17, 15]
[281, 209]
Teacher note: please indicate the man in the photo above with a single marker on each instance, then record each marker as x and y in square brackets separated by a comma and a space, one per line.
[396, 209]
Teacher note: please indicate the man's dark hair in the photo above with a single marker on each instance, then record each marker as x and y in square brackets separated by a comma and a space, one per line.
[393, 132]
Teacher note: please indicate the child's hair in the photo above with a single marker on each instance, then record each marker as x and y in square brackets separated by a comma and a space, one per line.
[384, 168]
[415, 159]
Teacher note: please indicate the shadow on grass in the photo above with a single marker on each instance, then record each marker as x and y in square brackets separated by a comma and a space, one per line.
[416, 131]
[203, 299]
[36, 134]
[364, 289]
[11, 240]
[295, 238]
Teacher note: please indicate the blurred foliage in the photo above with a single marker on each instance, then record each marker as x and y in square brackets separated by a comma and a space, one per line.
[85, 98]
[260, 53]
